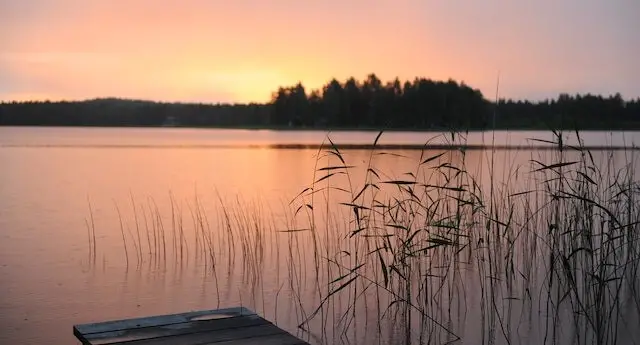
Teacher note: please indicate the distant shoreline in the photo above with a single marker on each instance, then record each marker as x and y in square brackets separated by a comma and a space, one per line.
[421, 105]
[346, 129]
[406, 147]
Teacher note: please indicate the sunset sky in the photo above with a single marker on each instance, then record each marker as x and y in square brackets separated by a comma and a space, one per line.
[242, 50]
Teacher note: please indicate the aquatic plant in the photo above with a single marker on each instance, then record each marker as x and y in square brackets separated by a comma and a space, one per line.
[451, 251]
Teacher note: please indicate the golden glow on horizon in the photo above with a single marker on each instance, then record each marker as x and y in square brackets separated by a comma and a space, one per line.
[210, 51]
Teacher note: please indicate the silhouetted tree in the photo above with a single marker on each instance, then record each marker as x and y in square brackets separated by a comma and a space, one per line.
[417, 104]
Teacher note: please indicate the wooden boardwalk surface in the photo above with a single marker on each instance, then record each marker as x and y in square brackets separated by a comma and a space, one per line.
[221, 327]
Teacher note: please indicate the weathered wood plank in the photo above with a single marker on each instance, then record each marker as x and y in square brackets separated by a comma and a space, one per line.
[159, 320]
[267, 329]
[276, 339]
[173, 329]
[231, 326]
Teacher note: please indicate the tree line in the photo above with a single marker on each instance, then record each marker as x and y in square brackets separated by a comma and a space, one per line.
[130, 113]
[420, 104]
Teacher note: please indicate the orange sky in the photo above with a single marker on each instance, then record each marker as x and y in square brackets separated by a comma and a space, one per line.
[238, 51]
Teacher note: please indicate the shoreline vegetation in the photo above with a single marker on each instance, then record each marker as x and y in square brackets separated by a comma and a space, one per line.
[368, 105]
[450, 250]
[346, 147]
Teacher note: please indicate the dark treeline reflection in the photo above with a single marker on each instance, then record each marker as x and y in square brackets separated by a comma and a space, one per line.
[371, 103]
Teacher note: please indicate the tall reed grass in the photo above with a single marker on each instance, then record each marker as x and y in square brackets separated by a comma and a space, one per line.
[448, 252]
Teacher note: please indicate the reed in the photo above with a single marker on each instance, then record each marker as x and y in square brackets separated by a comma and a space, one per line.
[416, 243]
[545, 252]
[91, 234]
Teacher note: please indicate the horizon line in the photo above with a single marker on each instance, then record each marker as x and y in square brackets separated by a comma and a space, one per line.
[240, 103]
[309, 91]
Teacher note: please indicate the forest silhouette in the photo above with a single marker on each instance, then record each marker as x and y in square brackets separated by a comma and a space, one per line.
[420, 104]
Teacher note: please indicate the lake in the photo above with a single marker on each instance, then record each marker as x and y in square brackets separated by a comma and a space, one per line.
[112, 223]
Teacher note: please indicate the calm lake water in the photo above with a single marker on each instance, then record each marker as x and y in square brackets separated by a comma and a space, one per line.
[68, 196]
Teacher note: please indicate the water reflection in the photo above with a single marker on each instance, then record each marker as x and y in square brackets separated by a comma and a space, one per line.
[208, 228]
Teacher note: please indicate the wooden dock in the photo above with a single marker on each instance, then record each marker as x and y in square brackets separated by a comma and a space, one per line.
[221, 327]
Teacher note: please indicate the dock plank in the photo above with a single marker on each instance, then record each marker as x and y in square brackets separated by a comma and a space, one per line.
[201, 338]
[160, 320]
[229, 326]
[276, 339]
[142, 333]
